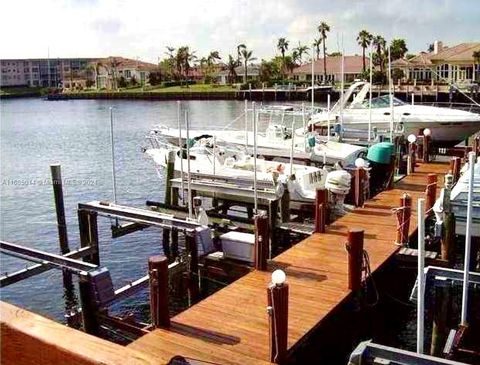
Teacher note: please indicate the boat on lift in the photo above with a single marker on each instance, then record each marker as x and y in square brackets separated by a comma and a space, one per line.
[230, 162]
[449, 126]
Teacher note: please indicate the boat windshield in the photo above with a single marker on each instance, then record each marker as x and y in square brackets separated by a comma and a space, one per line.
[383, 102]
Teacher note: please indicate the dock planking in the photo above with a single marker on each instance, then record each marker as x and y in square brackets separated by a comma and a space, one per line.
[231, 326]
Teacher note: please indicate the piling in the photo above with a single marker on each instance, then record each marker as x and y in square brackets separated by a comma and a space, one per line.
[159, 299]
[89, 309]
[442, 304]
[277, 297]
[448, 237]
[431, 191]
[192, 270]
[359, 186]
[272, 213]
[261, 250]
[355, 258]
[321, 200]
[476, 145]
[403, 218]
[87, 225]
[426, 148]
[285, 205]
[455, 166]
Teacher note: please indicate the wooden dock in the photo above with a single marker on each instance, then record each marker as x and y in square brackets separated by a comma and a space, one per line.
[231, 326]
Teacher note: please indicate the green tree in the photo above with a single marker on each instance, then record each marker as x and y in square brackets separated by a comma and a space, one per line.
[379, 44]
[270, 70]
[323, 29]
[301, 50]
[247, 56]
[282, 46]
[240, 47]
[364, 39]
[232, 64]
[113, 64]
[398, 49]
[184, 59]
[316, 43]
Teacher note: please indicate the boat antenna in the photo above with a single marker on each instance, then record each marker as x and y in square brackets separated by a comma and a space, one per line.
[370, 95]
[304, 128]
[420, 276]
[189, 189]
[342, 84]
[112, 144]
[292, 146]
[254, 116]
[390, 93]
[246, 124]
[313, 77]
[179, 112]
[328, 117]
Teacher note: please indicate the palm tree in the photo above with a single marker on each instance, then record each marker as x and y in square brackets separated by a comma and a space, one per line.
[364, 39]
[231, 66]
[295, 56]
[96, 67]
[113, 64]
[240, 47]
[379, 43]
[323, 29]
[247, 56]
[316, 44]
[282, 46]
[301, 50]
[476, 59]
[184, 59]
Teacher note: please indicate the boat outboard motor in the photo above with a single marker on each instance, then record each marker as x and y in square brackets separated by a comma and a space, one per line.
[338, 184]
[380, 157]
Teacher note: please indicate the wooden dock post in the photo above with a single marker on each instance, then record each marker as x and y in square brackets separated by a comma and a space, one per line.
[285, 205]
[359, 186]
[261, 242]
[455, 165]
[192, 273]
[321, 200]
[272, 214]
[87, 225]
[277, 297]
[170, 171]
[476, 145]
[442, 308]
[159, 299]
[431, 192]
[426, 146]
[355, 258]
[403, 218]
[90, 322]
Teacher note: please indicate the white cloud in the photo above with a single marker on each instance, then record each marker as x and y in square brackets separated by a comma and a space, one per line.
[143, 28]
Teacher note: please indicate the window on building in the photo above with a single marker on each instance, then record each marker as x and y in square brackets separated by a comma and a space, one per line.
[128, 73]
[26, 69]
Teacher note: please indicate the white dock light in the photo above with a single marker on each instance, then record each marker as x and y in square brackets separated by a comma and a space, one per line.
[427, 132]
[412, 138]
[360, 162]
[278, 277]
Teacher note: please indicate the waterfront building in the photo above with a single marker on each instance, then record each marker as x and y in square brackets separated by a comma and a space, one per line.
[443, 64]
[353, 69]
[73, 73]
[253, 73]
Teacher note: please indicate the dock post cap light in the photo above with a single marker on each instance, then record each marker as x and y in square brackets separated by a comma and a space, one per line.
[278, 277]
[412, 138]
[359, 162]
[427, 132]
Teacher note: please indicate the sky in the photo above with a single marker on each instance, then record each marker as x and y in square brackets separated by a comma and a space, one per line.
[143, 28]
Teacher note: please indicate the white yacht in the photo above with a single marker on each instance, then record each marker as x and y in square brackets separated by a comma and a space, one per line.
[449, 126]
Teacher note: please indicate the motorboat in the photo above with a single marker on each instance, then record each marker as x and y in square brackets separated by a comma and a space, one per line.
[231, 162]
[352, 112]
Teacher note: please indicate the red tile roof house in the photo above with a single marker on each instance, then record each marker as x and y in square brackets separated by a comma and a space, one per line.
[353, 68]
[447, 64]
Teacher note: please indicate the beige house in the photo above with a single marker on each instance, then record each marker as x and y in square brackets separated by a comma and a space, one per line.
[106, 70]
[353, 68]
[447, 64]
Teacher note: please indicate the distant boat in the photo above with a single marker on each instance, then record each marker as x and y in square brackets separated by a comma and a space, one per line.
[449, 126]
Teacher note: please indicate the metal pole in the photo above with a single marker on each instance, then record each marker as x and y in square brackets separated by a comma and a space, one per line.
[179, 111]
[313, 77]
[113, 157]
[214, 152]
[420, 276]
[370, 96]
[187, 126]
[342, 85]
[328, 117]
[292, 146]
[304, 128]
[246, 124]
[468, 237]
[254, 116]
[413, 99]
[390, 93]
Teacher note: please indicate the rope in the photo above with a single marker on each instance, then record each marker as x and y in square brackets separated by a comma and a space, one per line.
[275, 326]
[368, 274]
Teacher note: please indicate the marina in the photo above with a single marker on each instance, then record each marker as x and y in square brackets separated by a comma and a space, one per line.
[182, 191]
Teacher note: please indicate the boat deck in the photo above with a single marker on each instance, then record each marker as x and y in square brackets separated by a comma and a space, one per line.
[231, 326]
